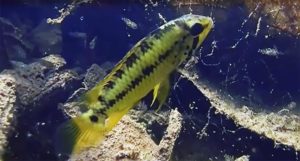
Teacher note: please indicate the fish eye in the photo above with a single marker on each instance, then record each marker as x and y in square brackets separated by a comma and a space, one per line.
[94, 118]
[196, 29]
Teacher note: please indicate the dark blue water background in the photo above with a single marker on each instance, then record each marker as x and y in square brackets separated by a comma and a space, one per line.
[252, 71]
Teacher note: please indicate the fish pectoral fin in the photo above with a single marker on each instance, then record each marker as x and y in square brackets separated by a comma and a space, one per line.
[161, 92]
[79, 133]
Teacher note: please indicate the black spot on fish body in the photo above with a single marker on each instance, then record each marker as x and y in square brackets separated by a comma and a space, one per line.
[148, 70]
[131, 60]
[159, 33]
[94, 118]
[136, 82]
[150, 43]
[169, 28]
[184, 37]
[121, 95]
[163, 56]
[101, 99]
[101, 111]
[144, 46]
[110, 84]
[119, 73]
[111, 102]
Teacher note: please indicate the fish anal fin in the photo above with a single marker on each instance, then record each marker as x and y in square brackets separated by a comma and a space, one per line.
[79, 133]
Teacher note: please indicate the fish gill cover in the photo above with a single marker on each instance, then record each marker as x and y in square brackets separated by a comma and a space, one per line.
[238, 97]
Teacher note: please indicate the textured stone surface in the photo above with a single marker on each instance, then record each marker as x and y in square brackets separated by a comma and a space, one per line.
[29, 86]
[93, 75]
[282, 127]
[7, 106]
[282, 15]
[243, 158]
[130, 141]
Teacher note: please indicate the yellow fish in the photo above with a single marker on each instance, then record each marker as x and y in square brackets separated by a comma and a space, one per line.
[146, 67]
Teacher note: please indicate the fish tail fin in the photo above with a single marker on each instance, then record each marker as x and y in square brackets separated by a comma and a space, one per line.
[79, 133]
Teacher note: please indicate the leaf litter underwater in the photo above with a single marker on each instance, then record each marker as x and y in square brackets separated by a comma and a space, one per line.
[241, 59]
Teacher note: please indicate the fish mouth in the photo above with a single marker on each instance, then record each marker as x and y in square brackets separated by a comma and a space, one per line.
[208, 22]
[211, 22]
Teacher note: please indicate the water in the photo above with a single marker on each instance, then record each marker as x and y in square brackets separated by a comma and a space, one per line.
[231, 58]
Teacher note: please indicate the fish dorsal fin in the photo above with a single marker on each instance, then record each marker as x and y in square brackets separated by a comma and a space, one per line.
[161, 92]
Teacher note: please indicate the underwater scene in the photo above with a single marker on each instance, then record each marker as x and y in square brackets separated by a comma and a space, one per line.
[177, 80]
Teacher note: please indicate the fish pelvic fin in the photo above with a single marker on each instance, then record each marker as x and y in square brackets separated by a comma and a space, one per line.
[161, 93]
[79, 133]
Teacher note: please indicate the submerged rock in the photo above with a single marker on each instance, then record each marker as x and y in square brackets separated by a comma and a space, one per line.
[280, 15]
[22, 41]
[31, 86]
[282, 127]
[130, 141]
[243, 158]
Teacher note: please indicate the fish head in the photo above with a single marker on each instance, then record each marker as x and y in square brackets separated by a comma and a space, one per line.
[196, 26]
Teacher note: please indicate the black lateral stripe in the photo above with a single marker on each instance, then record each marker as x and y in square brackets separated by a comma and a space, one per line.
[101, 98]
[162, 57]
[110, 84]
[144, 46]
[131, 60]
[111, 102]
[148, 70]
[119, 73]
[121, 94]
[182, 25]
[101, 111]
[158, 33]
[135, 82]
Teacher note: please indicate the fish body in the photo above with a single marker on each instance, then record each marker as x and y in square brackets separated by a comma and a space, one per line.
[146, 67]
